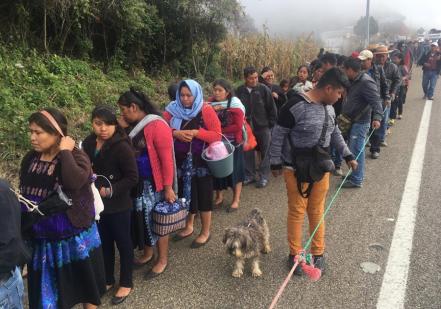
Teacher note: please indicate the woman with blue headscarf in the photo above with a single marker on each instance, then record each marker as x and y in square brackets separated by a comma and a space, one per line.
[195, 125]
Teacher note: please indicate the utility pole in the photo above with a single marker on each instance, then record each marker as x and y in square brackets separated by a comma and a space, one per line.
[367, 24]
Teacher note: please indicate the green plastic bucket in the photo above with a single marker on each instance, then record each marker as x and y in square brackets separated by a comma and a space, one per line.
[223, 167]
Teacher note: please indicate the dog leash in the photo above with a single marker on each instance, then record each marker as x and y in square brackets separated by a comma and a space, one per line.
[300, 258]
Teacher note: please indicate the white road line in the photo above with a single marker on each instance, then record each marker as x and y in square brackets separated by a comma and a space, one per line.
[393, 289]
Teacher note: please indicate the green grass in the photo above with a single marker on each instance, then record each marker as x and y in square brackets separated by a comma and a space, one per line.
[30, 81]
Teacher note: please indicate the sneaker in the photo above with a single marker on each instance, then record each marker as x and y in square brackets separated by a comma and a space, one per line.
[391, 122]
[375, 155]
[262, 183]
[319, 262]
[350, 185]
[248, 181]
[399, 117]
[383, 144]
[298, 271]
[431, 99]
[338, 171]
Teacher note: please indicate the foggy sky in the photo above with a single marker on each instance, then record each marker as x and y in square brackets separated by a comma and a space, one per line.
[292, 17]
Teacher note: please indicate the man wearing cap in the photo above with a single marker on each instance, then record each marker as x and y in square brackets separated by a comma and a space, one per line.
[377, 73]
[431, 62]
[393, 79]
[362, 105]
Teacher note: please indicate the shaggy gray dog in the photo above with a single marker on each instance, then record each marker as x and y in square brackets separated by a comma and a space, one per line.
[246, 241]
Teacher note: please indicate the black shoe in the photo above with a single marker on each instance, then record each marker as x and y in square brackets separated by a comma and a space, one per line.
[319, 262]
[350, 185]
[298, 271]
[116, 300]
[431, 99]
[152, 275]
[375, 155]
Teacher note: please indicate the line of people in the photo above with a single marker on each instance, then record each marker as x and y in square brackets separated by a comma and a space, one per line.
[139, 158]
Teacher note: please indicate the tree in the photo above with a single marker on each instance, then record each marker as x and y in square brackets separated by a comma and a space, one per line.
[360, 27]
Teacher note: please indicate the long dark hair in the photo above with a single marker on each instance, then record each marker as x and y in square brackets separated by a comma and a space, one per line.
[106, 114]
[40, 120]
[140, 99]
[226, 85]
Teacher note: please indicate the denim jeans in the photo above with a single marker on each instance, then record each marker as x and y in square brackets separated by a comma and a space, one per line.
[337, 158]
[429, 82]
[380, 134]
[384, 124]
[11, 291]
[357, 137]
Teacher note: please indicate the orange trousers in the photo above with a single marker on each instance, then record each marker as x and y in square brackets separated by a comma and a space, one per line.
[314, 206]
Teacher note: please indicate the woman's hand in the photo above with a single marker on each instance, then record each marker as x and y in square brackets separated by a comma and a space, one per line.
[169, 194]
[275, 95]
[184, 135]
[104, 192]
[67, 143]
[122, 122]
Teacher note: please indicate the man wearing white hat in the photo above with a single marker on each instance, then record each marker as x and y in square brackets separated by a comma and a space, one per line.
[431, 63]
[379, 76]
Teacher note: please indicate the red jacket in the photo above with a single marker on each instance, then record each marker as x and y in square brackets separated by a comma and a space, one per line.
[159, 141]
[212, 132]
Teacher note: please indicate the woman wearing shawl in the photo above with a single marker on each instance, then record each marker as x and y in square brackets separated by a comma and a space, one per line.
[151, 137]
[231, 113]
[67, 262]
[195, 125]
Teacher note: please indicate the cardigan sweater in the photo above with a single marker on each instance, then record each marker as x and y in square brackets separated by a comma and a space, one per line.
[159, 141]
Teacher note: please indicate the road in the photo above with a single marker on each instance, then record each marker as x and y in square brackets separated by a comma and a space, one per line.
[202, 278]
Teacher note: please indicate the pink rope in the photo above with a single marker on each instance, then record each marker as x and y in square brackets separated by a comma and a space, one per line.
[283, 286]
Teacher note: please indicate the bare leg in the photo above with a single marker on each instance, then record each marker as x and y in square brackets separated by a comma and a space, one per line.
[255, 268]
[162, 260]
[123, 291]
[188, 226]
[206, 224]
[238, 268]
[236, 197]
[219, 198]
[146, 256]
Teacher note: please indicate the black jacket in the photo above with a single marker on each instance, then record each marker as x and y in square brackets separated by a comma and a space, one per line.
[362, 92]
[116, 161]
[393, 77]
[260, 109]
[378, 75]
[282, 98]
[424, 58]
[12, 248]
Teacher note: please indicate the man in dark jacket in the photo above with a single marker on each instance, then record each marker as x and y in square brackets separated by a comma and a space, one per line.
[261, 113]
[377, 73]
[12, 249]
[363, 99]
[393, 79]
[431, 62]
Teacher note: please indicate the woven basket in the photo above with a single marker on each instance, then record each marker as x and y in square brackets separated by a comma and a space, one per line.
[168, 222]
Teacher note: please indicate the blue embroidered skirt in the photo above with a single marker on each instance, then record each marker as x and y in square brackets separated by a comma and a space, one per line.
[142, 220]
[66, 272]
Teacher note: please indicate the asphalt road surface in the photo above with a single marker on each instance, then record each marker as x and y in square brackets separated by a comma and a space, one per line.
[201, 278]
